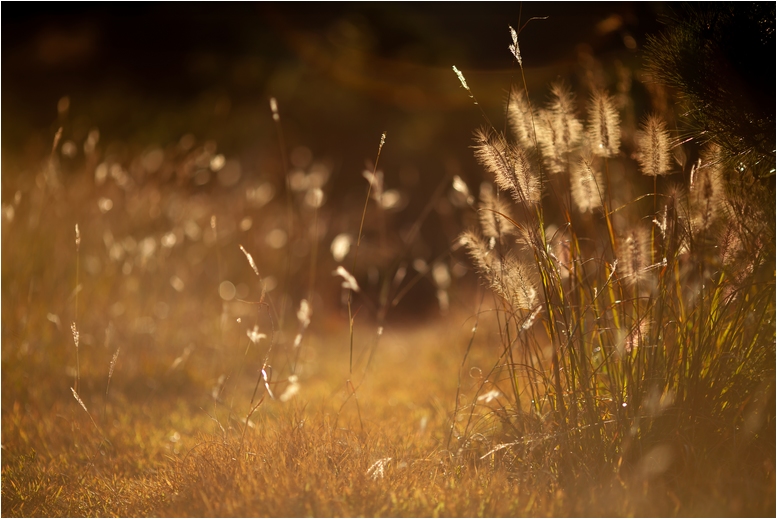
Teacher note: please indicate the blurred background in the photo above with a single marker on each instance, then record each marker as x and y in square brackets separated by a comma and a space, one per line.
[165, 110]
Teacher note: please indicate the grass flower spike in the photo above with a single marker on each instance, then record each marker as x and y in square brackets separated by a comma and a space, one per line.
[604, 125]
[653, 147]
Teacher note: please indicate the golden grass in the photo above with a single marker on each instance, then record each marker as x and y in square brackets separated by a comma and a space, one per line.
[564, 388]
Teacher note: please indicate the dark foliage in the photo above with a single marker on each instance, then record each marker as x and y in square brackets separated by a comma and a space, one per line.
[720, 57]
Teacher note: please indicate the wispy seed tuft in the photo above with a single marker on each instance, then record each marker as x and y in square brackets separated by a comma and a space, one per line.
[509, 165]
[604, 125]
[653, 147]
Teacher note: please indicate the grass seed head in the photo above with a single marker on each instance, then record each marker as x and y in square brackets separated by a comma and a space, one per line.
[492, 214]
[512, 280]
[250, 261]
[477, 249]
[514, 48]
[558, 130]
[604, 125]
[707, 197]
[509, 165]
[586, 186]
[634, 255]
[520, 118]
[653, 147]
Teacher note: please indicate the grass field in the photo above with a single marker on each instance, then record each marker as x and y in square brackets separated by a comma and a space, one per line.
[595, 337]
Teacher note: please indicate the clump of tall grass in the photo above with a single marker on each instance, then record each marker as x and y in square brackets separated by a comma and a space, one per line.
[641, 351]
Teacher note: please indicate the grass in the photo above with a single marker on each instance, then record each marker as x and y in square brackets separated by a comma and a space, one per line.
[168, 352]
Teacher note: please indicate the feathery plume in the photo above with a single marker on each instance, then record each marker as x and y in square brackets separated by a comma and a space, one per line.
[514, 49]
[562, 106]
[509, 165]
[558, 130]
[491, 211]
[520, 117]
[586, 186]
[548, 139]
[506, 276]
[477, 249]
[604, 125]
[707, 193]
[634, 255]
[512, 280]
[653, 147]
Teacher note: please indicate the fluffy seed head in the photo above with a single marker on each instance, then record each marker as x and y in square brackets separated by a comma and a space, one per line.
[604, 125]
[493, 224]
[707, 194]
[519, 117]
[514, 49]
[586, 186]
[512, 280]
[653, 147]
[477, 249]
[558, 130]
[509, 165]
[506, 276]
[562, 106]
[634, 255]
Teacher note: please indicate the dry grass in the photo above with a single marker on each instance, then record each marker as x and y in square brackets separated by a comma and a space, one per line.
[179, 355]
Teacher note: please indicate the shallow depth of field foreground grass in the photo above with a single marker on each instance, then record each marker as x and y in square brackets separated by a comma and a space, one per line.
[579, 320]
[140, 407]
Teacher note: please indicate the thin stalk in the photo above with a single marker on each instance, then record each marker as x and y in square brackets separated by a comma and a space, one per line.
[289, 207]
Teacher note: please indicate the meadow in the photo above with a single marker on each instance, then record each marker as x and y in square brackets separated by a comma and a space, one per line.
[581, 324]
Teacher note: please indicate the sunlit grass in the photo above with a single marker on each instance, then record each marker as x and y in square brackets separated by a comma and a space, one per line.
[175, 349]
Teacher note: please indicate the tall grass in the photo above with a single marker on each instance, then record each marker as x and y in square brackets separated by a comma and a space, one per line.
[641, 352]
[628, 338]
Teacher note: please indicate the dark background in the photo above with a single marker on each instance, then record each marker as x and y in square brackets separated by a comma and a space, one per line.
[146, 74]
[342, 73]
